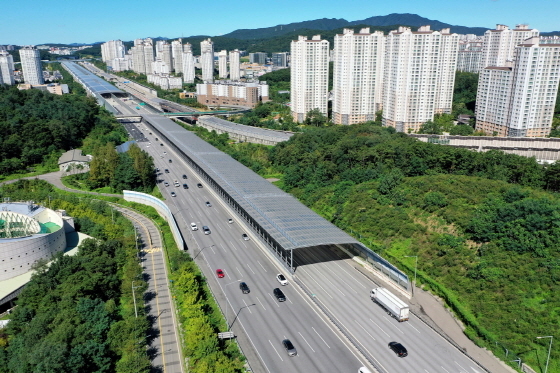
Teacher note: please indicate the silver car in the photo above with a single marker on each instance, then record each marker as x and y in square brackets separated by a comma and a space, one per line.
[289, 347]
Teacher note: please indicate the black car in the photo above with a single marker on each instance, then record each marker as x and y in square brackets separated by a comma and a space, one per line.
[199, 185]
[279, 295]
[290, 349]
[170, 161]
[185, 186]
[184, 176]
[166, 171]
[398, 349]
[244, 288]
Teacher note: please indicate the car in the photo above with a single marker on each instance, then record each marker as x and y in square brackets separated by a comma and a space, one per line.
[279, 295]
[157, 139]
[194, 227]
[398, 349]
[206, 229]
[166, 183]
[161, 144]
[208, 204]
[220, 273]
[170, 161]
[244, 288]
[281, 279]
[166, 171]
[185, 186]
[157, 169]
[185, 177]
[230, 221]
[199, 185]
[245, 237]
[290, 349]
[173, 194]
[164, 152]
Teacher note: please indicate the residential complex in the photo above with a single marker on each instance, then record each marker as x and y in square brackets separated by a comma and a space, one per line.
[498, 45]
[419, 75]
[112, 50]
[518, 99]
[470, 53]
[228, 93]
[222, 64]
[234, 67]
[142, 56]
[207, 60]
[357, 76]
[6, 68]
[31, 65]
[309, 76]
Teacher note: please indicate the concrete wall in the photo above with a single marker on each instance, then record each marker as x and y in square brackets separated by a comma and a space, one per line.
[241, 133]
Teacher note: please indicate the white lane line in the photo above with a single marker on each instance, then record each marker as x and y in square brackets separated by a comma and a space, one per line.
[220, 228]
[320, 337]
[459, 365]
[360, 325]
[277, 305]
[232, 245]
[240, 274]
[212, 247]
[275, 350]
[393, 324]
[445, 369]
[313, 278]
[306, 342]
[260, 303]
[289, 300]
[247, 306]
[379, 327]
[222, 245]
[261, 266]
[192, 217]
[251, 268]
[408, 323]
[243, 242]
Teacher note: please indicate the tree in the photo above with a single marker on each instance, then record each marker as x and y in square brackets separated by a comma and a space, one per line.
[103, 165]
[315, 118]
[461, 130]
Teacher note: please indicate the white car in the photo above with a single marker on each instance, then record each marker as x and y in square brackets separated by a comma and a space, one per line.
[281, 279]
[194, 227]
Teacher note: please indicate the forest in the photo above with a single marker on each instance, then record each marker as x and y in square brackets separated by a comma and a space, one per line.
[483, 225]
[77, 314]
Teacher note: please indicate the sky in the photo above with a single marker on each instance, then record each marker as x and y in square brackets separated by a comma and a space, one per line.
[34, 22]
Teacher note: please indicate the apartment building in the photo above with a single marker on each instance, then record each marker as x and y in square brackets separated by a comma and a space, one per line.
[518, 100]
[142, 56]
[258, 57]
[419, 75]
[309, 76]
[498, 45]
[111, 50]
[280, 59]
[357, 76]
[470, 53]
[177, 55]
[188, 64]
[6, 68]
[31, 65]
[207, 60]
[166, 81]
[234, 65]
[229, 93]
[222, 64]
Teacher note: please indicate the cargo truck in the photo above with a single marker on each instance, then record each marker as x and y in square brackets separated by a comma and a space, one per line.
[394, 306]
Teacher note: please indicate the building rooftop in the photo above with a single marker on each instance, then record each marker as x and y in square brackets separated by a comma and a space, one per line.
[94, 83]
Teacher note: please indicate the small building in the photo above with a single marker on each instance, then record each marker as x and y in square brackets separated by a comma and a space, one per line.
[74, 159]
[228, 93]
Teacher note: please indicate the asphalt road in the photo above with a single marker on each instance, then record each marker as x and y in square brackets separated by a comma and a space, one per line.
[327, 272]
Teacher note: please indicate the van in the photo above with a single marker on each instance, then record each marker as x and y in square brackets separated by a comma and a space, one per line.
[364, 370]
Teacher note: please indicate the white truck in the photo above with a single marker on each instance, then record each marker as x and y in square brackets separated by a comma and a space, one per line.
[394, 306]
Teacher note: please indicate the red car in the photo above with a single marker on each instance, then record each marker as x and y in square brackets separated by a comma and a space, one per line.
[220, 273]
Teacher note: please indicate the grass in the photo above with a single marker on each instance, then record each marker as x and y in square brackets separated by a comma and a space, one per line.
[38, 170]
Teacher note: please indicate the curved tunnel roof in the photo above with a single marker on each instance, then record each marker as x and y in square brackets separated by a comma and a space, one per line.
[292, 224]
[94, 83]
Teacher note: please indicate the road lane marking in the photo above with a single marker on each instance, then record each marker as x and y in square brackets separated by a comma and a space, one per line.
[392, 323]
[379, 328]
[320, 337]
[247, 306]
[240, 274]
[360, 325]
[445, 369]
[277, 305]
[313, 278]
[232, 245]
[408, 323]
[275, 350]
[222, 245]
[306, 342]
[260, 303]
[459, 365]
[262, 266]
[251, 269]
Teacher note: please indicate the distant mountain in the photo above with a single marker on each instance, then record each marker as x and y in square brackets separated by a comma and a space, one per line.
[551, 33]
[412, 20]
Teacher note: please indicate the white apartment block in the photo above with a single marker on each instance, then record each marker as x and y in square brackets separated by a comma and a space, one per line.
[358, 76]
[165, 81]
[166, 55]
[207, 60]
[31, 65]
[111, 50]
[6, 68]
[419, 75]
[177, 55]
[222, 64]
[470, 53]
[234, 65]
[160, 67]
[550, 39]
[142, 56]
[498, 45]
[159, 47]
[188, 64]
[518, 100]
[309, 76]
[121, 64]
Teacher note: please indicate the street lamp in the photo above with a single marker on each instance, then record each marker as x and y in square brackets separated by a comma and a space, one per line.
[206, 247]
[415, 267]
[134, 298]
[549, 348]
[227, 301]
